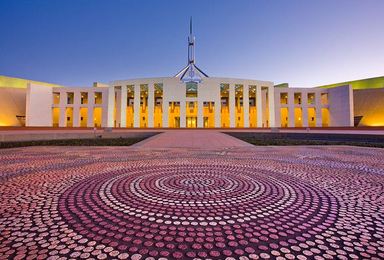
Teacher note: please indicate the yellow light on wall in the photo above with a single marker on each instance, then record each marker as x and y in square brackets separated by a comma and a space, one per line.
[5, 123]
[376, 123]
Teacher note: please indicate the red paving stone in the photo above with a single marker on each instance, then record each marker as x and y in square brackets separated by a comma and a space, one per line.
[192, 139]
[226, 201]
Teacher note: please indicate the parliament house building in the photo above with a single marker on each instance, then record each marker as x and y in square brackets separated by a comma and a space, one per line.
[189, 99]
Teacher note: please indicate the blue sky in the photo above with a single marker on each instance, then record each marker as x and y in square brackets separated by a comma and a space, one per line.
[304, 43]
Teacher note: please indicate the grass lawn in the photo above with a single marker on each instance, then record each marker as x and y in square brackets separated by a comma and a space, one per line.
[309, 139]
[120, 141]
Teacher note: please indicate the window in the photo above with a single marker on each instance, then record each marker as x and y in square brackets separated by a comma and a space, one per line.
[252, 91]
[84, 98]
[70, 97]
[283, 98]
[56, 98]
[297, 97]
[191, 89]
[311, 98]
[224, 88]
[98, 98]
[130, 95]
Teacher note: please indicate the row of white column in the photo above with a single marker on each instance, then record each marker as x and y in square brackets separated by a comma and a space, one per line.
[200, 113]
[259, 106]
[217, 106]
[76, 117]
[76, 106]
[304, 109]
[136, 105]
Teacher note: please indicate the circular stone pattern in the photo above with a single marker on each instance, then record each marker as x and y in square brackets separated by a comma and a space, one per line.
[200, 210]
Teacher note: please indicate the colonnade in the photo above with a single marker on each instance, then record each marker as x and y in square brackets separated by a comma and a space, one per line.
[234, 103]
[261, 105]
[75, 117]
[304, 106]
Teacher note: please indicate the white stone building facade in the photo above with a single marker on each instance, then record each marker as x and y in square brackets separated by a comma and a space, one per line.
[170, 103]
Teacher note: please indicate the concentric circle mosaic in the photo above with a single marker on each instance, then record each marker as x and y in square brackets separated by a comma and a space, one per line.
[248, 203]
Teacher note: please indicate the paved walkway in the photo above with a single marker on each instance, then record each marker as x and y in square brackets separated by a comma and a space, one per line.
[192, 139]
[199, 199]
[323, 202]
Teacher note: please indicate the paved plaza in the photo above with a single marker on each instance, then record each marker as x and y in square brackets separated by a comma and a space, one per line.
[192, 194]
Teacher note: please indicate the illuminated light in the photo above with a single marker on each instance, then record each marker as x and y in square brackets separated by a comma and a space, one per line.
[376, 124]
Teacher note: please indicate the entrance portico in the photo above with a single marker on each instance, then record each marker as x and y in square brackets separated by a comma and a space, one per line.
[218, 102]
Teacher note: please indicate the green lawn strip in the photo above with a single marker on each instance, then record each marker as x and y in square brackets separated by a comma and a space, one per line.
[265, 139]
[120, 141]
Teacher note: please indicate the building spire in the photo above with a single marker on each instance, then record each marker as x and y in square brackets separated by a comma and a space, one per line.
[190, 26]
[191, 73]
[191, 44]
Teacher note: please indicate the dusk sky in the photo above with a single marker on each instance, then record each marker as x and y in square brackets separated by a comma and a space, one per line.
[304, 43]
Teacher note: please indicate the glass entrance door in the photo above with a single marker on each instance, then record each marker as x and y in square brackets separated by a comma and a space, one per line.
[177, 122]
[206, 122]
[191, 122]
